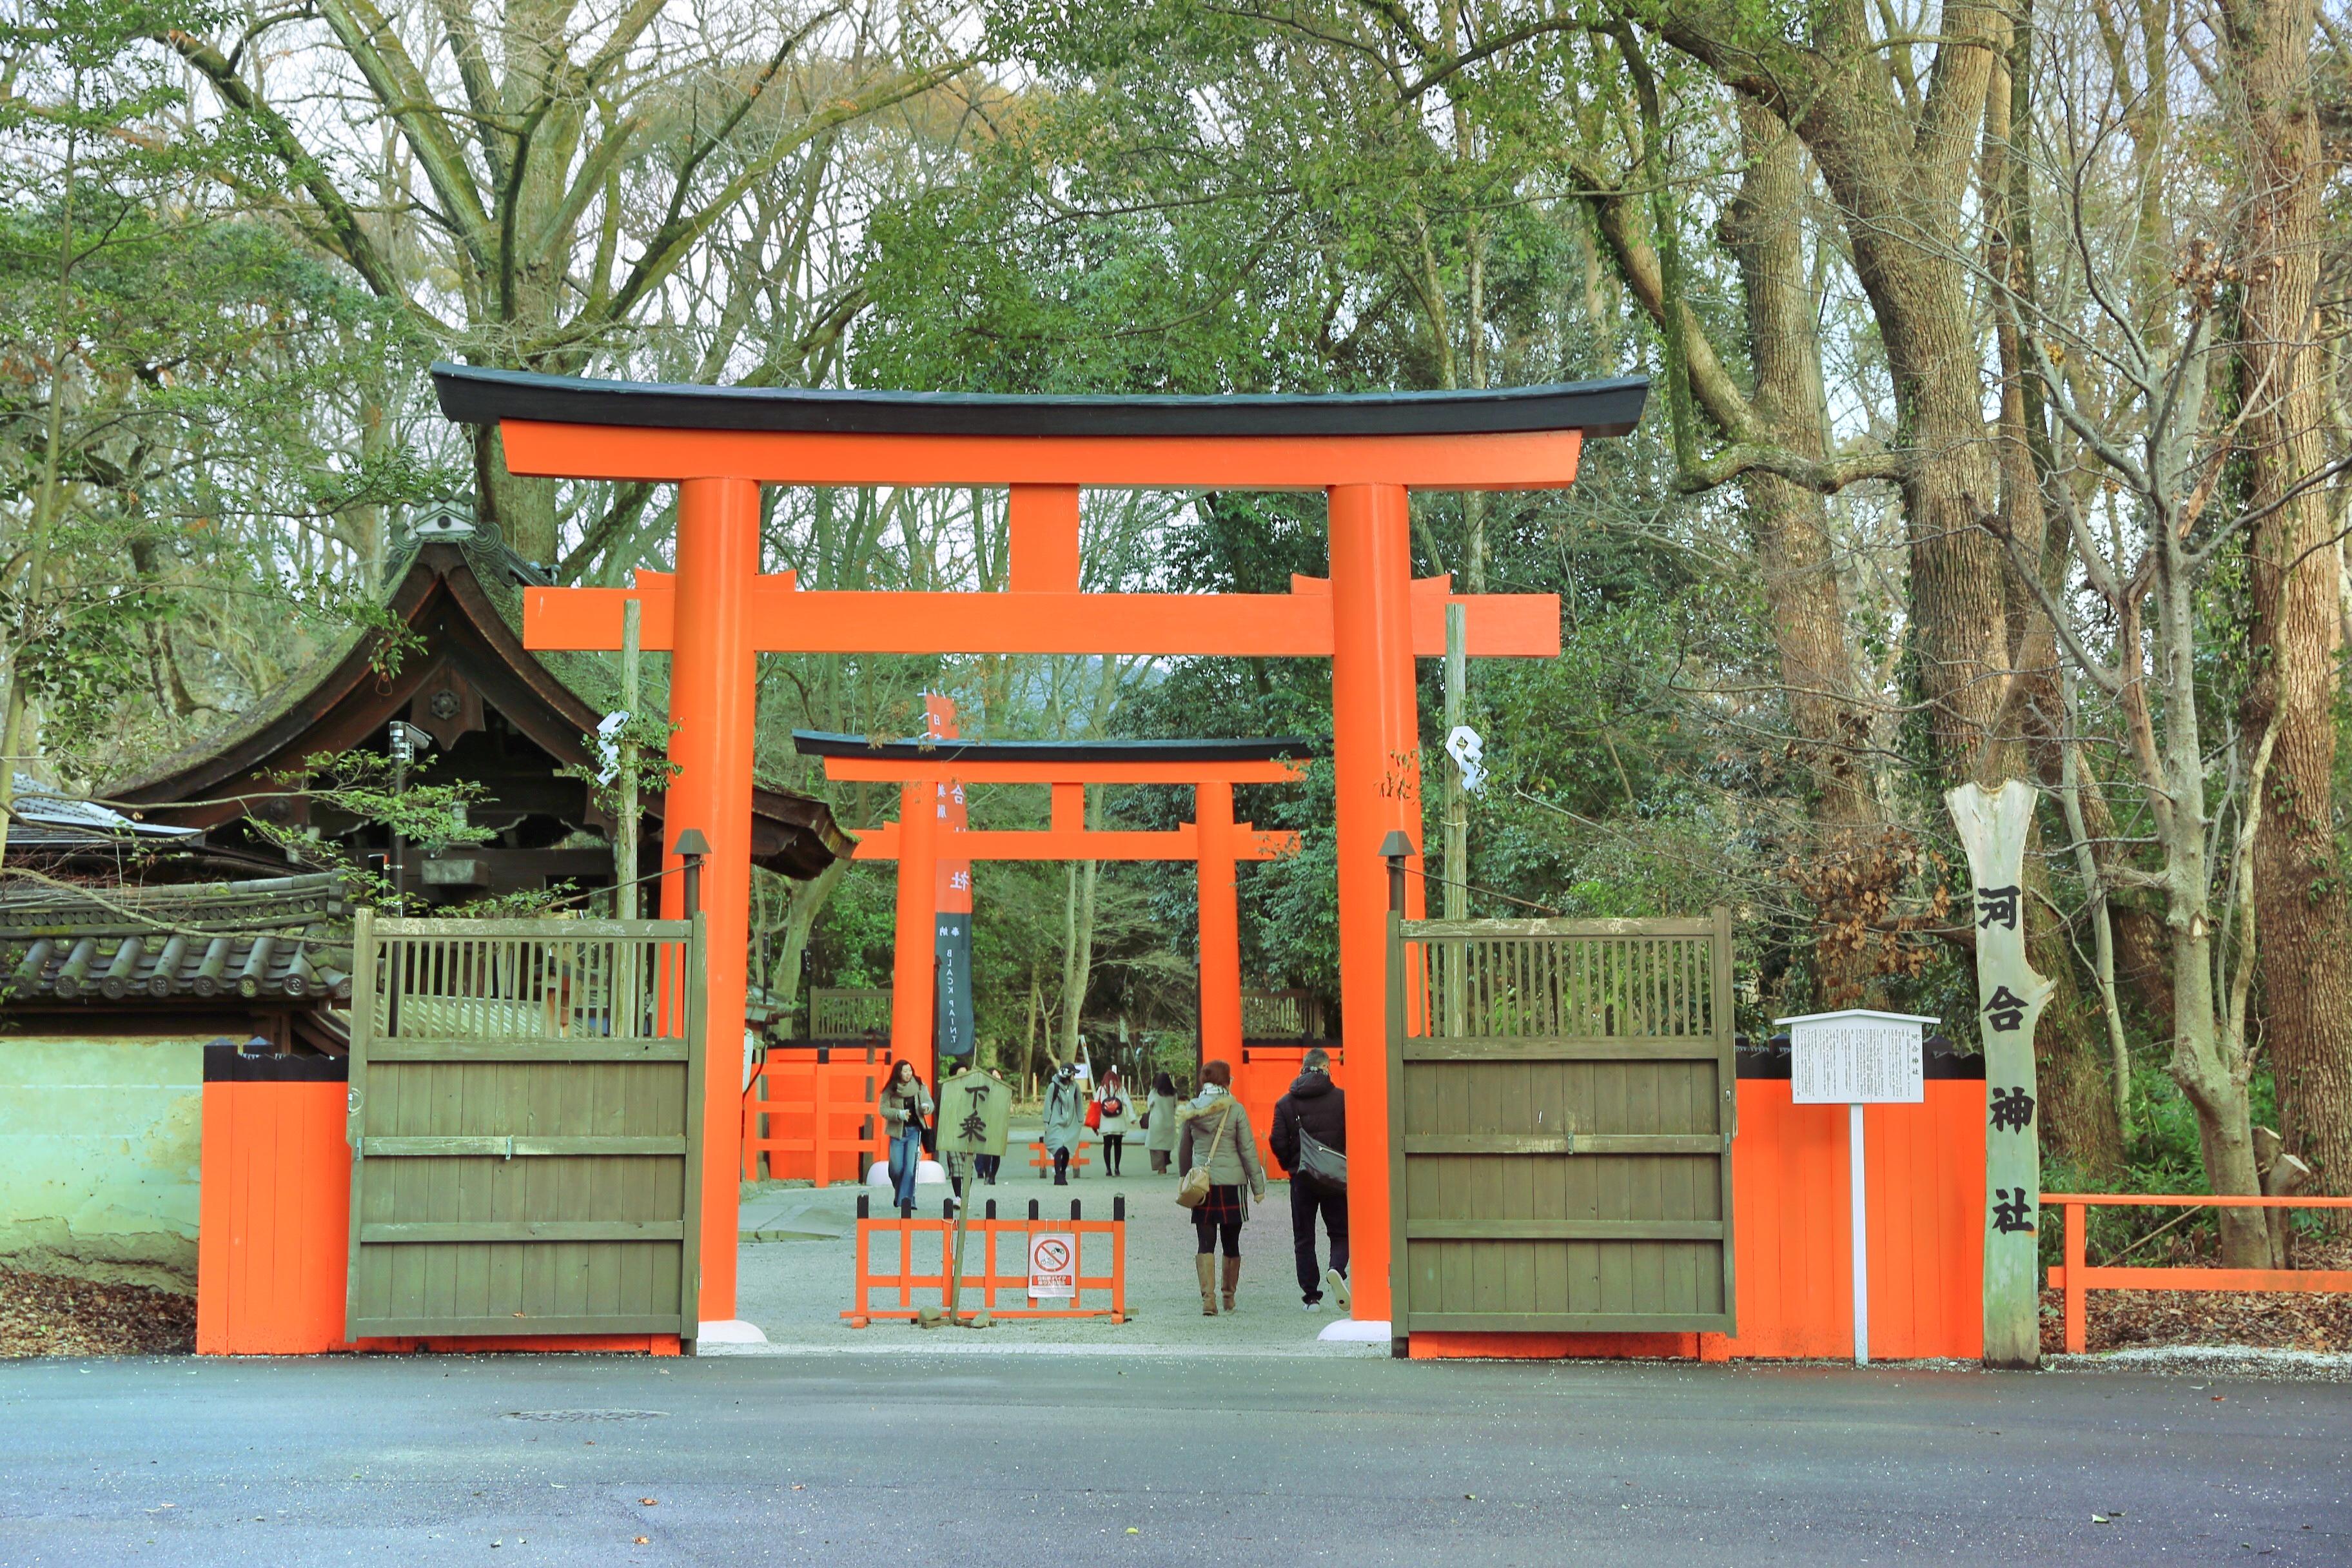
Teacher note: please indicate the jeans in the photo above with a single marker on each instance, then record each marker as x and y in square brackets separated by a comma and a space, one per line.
[906, 1163]
[1310, 1197]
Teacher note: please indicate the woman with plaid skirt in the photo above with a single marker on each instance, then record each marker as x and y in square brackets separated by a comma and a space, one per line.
[1213, 1130]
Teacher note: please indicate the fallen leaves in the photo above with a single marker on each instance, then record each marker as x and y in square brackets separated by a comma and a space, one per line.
[48, 1314]
[2117, 1319]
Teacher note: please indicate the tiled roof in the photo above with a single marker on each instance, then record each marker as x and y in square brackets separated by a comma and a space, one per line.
[286, 937]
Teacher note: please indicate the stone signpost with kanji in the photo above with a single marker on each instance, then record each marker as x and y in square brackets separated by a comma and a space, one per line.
[1994, 826]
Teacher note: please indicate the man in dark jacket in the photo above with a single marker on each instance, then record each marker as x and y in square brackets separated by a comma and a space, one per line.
[1318, 1107]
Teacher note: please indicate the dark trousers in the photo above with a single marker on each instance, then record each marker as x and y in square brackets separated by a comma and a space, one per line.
[1308, 1198]
[1114, 1144]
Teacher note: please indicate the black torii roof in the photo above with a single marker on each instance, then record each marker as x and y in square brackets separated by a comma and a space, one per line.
[474, 395]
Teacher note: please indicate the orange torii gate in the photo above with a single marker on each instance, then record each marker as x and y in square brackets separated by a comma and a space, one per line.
[1366, 452]
[1212, 839]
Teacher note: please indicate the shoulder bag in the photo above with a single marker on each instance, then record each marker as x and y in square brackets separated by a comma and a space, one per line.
[1317, 1159]
[1193, 1190]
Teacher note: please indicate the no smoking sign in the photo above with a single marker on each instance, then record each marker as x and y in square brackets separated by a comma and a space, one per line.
[1053, 1265]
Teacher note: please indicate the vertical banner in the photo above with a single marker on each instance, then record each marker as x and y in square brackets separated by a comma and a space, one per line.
[951, 900]
[1994, 829]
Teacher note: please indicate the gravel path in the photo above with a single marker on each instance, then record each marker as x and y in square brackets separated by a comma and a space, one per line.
[794, 1286]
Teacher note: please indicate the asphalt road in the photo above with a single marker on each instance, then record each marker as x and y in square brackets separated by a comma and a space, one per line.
[1055, 1460]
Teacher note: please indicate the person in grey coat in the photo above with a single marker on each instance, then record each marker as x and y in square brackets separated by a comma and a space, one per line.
[1159, 1128]
[1213, 1132]
[1066, 1120]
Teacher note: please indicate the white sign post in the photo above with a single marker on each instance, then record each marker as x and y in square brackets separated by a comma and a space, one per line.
[1855, 1058]
[1053, 1265]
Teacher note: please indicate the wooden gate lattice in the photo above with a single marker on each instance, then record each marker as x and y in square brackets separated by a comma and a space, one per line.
[1562, 1105]
[526, 1125]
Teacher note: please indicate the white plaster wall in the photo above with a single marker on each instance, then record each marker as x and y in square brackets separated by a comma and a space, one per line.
[101, 1145]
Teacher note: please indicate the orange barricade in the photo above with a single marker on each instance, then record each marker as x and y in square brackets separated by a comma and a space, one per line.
[813, 1121]
[991, 1245]
[1043, 1163]
[2077, 1277]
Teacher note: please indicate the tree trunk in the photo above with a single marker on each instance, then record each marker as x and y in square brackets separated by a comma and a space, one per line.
[2208, 1061]
[522, 509]
[2303, 909]
[1789, 523]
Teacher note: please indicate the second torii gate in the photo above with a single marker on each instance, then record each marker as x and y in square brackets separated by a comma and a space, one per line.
[1212, 839]
[1366, 452]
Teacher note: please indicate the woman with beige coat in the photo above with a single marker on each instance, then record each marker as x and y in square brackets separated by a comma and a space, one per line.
[1213, 1132]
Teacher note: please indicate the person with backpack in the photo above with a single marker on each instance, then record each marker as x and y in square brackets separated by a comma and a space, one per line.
[1309, 1140]
[1113, 1118]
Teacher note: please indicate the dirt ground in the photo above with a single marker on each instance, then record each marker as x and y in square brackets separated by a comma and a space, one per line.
[43, 1314]
[2120, 1319]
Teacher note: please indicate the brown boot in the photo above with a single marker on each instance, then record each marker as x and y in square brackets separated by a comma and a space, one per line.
[1232, 1277]
[1205, 1265]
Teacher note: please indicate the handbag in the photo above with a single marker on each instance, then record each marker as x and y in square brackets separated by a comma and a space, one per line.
[1093, 1114]
[1317, 1159]
[1193, 1190]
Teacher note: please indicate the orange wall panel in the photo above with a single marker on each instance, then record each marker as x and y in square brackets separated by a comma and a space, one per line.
[273, 1225]
[1793, 1238]
[272, 1220]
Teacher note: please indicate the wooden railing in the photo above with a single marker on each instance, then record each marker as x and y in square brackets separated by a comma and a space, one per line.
[844, 1014]
[2078, 1277]
[813, 1121]
[996, 1265]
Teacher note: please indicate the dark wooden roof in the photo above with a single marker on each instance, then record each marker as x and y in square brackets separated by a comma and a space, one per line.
[472, 394]
[470, 652]
[284, 938]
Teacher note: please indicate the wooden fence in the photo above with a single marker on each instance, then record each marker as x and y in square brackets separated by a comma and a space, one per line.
[2078, 1277]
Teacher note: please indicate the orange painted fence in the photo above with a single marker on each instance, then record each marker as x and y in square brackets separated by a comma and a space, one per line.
[1043, 1163]
[996, 1263]
[1264, 1076]
[815, 1120]
[274, 1218]
[1792, 1252]
[2077, 1277]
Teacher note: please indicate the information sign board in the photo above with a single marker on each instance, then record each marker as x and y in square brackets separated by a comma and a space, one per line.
[1856, 1057]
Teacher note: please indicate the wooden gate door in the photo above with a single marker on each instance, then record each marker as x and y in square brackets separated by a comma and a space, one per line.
[526, 1127]
[1561, 1104]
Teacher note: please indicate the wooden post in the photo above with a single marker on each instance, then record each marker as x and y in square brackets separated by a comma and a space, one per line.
[1993, 827]
[1457, 802]
[625, 902]
[1456, 813]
